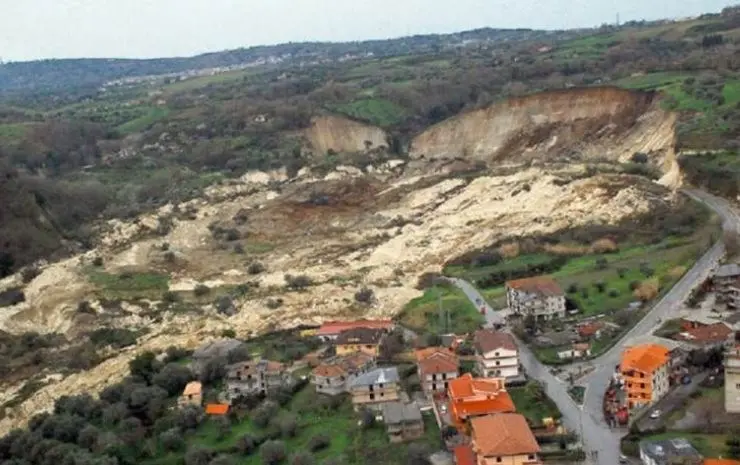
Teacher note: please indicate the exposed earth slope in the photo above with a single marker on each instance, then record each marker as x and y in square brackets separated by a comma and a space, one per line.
[376, 226]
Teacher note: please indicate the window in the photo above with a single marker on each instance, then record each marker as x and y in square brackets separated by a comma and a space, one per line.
[642, 385]
[382, 394]
[531, 457]
[496, 354]
[498, 363]
[737, 386]
[380, 386]
[434, 377]
[372, 396]
[498, 459]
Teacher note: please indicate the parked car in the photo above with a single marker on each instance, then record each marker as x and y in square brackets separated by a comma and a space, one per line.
[623, 459]
[655, 414]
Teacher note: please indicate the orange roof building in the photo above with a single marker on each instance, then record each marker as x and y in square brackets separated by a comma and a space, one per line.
[473, 397]
[504, 438]
[191, 395]
[437, 366]
[645, 373]
[217, 409]
[331, 329]
[464, 455]
[540, 296]
[721, 462]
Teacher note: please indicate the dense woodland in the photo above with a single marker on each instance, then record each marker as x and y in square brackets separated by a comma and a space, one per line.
[69, 158]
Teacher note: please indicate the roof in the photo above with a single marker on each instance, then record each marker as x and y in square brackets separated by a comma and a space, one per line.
[397, 412]
[377, 376]
[717, 332]
[436, 360]
[343, 365]
[662, 451]
[669, 344]
[503, 434]
[583, 346]
[360, 336]
[727, 271]
[331, 328]
[721, 462]
[471, 397]
[590, 328]
[467, 386]
[644, 358]
[487, 340]
[733, 318]
[254, 367]
[543, 285]
[464, 455]
[701, 319]
[193, 388]
[217, 409]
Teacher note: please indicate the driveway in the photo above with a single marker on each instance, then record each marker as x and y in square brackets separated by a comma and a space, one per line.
[669, 403]
[589, 420]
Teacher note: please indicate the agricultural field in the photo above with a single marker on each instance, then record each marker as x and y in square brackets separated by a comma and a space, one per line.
[423, 314]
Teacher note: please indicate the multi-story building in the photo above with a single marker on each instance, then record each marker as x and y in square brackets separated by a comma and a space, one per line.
[732, 380]
[504, 438]
[645, 373]
[669, 452]
[726, 282]
[333, 377]
[191, 395]
[375, 388]
[473, 397]
[437, 366]
[540, 297]
[365, 340]
[403, 421]
[255, 377]
[497, 354]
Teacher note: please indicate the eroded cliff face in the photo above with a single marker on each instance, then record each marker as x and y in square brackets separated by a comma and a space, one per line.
[587, 123]
[343, 135]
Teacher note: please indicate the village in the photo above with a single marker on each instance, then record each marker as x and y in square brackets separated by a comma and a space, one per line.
[471, 394]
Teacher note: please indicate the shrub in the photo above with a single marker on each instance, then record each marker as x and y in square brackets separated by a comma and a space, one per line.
[263, 414]
[602, 263]
[613, 293]
[646, 270]
[647, 290]
[572, 288]
[12, 296]
[169, 256]
[288, 426]
[639, 157]
[272, 452]
[634, 285]
[297, 283]
[318, 442]
[85, 307]
[255, 268]
[228, 333]
[170, 297]
[622, 272]
[116, 337]
[225, 306]
[28, 274]
[584, 293]
[171, 440]
[246, 445]
[301, 458]
[97, 261]
[600, 286]
[273, 304]
[365, 295]
[232, 235]
[201, 290]
[238, 249]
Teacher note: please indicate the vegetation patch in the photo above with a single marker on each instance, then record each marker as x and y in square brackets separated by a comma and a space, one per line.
[423, 313]
[532, 402]
[129, 284]
[375, 111]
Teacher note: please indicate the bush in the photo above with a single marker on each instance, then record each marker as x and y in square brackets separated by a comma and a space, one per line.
[97, 261]
[239, 249]
[246, 445]
[225, 306]
[169, 256]
[634, 285]
[365, 295]
[297, 283]
[639, 157]
[288, 426]
[28, 274]
[301, 458]
[263, 414]
[172, 440]
[572, 288]
[170, 297]
[318, 442]
[602, 263]
[647, 290]
[273, 304]
[201, 290]
[115, 337]
[228, 333]
[622, 272]
[600, 286]
[613, 293]
[646, 270]
[255, 268]
[85, 307]
[272, 452]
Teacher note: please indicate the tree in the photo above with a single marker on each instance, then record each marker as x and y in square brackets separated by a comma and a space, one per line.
[214, 370]
[144, 366]
[297, 283]
[602, 263]
[198, 456]
[367, 418]
[88, 437]
[255, 268]
[246, 445]
[173, 378]
[223, 459]
[600, 286]
[264, 413]
[731, 240]
[272, 452]
[392, 345]
[318, 442]
[530, 324]
[365, 295]
[302, 458]
[172, 440]
[432, 340]
[288, 426]
[418, 454]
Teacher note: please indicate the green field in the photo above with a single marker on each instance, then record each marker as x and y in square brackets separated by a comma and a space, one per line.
[152, 115]
[533, 403]
[422, 313]
[373, 110]
[129, 285]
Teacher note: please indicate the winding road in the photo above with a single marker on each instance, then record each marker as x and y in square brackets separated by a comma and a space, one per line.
[588, 419]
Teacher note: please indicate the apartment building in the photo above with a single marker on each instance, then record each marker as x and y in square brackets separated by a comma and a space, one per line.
[496, 353]
[645, 371]
[732, 380]
[539, 296]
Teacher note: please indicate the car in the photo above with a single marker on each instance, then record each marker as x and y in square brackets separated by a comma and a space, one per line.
[623, 459]
[655, 414]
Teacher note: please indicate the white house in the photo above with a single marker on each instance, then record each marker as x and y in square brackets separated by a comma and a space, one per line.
[540, 297]
[497, 354]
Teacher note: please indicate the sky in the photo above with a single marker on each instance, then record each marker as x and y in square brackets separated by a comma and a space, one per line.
[35, 29]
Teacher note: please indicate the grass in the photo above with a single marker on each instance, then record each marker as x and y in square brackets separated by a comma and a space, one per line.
[128, 285]
[530, 406]
[577, 393]
[349, 444]
[145, 121]
[709, 445]
[14, 132]
[376, 111]
[422, 313]
[652, 80]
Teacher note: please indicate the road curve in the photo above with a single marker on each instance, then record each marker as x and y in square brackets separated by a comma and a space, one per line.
[597, 436]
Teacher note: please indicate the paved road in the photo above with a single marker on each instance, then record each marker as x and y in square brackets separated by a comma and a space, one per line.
[596, 434]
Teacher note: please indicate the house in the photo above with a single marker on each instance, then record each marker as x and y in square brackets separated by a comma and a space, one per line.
[709, 336]
[577, 350]
[733, 321]
[464, 455]
[473, 397]
[696, 321]
[540, 297]
[645, 371]
[217, 409]
[331, 329]
[375, 387]
[678, 351]
[496, 353]
[590, 330]
[732, 380]
[669, 451]
[365, 340]
[720, 462]
[403, 421]
[725, 282]
[504, 438]
[191, 395]
[333, 377]
[255, 377]
[436, 366]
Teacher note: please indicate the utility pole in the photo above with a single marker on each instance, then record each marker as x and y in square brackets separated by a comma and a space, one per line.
[617, 19]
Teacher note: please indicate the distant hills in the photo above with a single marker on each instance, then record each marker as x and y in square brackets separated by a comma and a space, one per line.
[66, 74]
